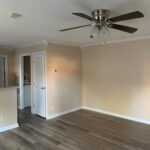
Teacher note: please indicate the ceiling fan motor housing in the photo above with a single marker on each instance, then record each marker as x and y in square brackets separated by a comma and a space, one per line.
[100, 15]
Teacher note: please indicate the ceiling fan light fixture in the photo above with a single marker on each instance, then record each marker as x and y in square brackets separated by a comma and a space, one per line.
[94, 31]
[104, 30]
[99, 31]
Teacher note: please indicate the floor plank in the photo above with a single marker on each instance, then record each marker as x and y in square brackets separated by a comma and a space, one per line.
[80, 130]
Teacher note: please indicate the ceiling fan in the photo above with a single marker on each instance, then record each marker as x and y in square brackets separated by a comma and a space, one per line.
[101, 21]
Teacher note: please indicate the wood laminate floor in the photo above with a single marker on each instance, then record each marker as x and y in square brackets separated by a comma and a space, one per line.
[80, 130]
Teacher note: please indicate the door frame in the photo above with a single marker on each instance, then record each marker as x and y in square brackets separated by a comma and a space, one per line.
[21, 105]
[21, 67]
[6, 68]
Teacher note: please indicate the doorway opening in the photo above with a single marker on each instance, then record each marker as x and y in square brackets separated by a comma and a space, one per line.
[27, 82]
[32, 85]
[25, 89]
[3, 71]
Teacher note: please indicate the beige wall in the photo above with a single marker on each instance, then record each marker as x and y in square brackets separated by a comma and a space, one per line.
[8, 107]
[8, 53]
[116, 78]
[65, 85]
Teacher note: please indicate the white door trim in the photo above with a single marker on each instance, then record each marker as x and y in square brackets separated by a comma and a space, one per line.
[21, 103]
[21, 80]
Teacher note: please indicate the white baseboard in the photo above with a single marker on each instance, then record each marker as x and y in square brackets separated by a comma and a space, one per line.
[63, 113]
[20, 107]
[13, 126]
[118, 115]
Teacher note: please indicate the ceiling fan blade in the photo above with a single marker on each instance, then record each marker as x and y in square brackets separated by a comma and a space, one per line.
[132, 15]
[123, 28]
[83, 16]
[75, 27]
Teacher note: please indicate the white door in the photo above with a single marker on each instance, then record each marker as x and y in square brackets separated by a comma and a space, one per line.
[39, 86]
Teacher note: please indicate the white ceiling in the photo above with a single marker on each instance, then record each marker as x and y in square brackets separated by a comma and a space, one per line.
[42, 20]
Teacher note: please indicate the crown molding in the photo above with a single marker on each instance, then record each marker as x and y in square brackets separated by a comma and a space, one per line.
[33, 44]
[117, 41]
[6, 48]
[45, 42]
[64, 43]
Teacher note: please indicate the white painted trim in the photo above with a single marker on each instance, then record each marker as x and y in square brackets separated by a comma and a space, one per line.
[63, 113]
[46, 84]
[10, 127]
[45, 42]
[118, 41]
[64, 43]
[39, 52]
[21, 106]
[21, 79]
[118, 115]
[6, 48]
[20, 82]
[33, 44]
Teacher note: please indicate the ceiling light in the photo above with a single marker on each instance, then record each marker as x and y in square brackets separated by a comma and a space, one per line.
[100, 31]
